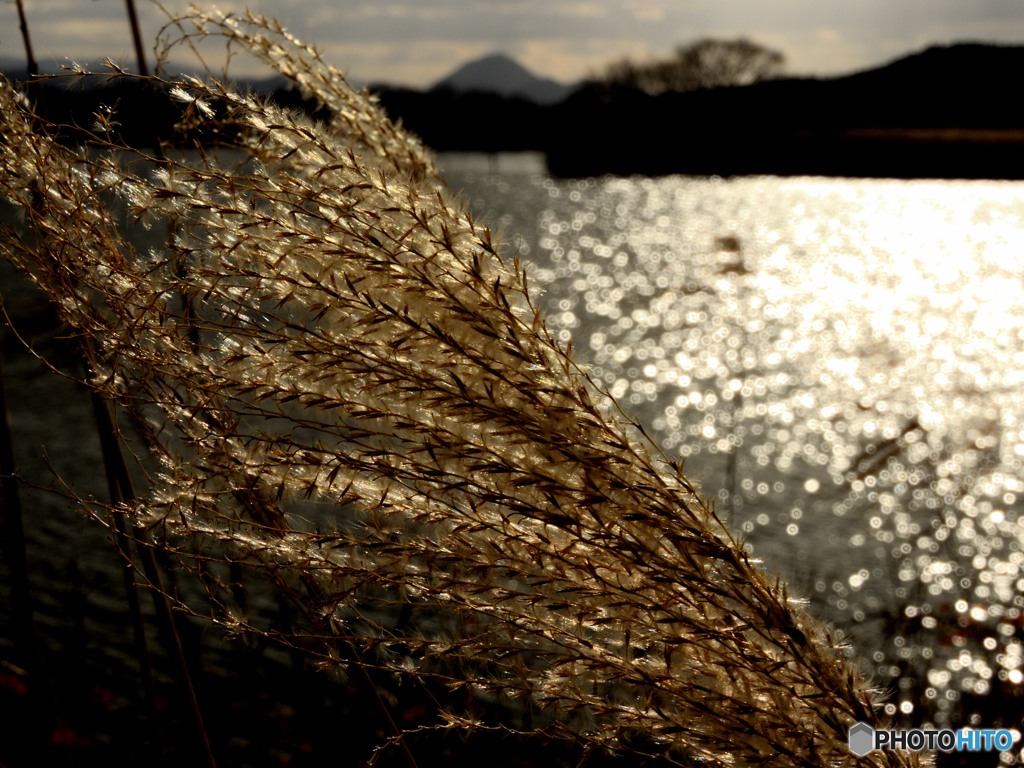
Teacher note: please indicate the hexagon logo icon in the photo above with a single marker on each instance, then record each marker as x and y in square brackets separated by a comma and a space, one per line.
[861, 739]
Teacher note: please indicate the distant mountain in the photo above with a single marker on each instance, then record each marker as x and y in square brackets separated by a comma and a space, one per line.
[504, 76]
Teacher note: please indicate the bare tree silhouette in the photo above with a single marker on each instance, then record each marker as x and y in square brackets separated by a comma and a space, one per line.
[708, 63]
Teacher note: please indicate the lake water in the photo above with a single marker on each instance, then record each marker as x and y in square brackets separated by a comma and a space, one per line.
[838, 361]
[840, 364]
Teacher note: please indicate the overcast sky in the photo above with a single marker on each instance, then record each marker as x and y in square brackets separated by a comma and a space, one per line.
[418, 41]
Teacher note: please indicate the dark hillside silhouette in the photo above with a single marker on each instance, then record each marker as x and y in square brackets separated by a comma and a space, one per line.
[947, 112]
[965, 85]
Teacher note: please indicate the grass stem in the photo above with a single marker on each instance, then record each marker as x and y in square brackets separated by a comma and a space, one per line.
[133, 21]
[122, 490]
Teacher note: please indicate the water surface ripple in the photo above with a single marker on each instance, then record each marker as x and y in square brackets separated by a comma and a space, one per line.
[839, 362]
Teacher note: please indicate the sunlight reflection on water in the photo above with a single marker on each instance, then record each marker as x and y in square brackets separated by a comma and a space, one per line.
[840, 363]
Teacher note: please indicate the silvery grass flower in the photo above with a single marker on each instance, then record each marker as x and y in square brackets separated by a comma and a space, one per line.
[346, 388]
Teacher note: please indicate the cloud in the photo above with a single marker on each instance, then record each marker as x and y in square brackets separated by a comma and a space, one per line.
[571, 60]
[416, 41]
[420, 64]
[580, 9]
[648, 10]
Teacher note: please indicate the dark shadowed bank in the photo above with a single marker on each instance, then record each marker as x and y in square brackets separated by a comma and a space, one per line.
[943, 113]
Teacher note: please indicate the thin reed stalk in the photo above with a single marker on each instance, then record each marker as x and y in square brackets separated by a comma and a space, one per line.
[33, 67]
[140, 53]
[23, 626]
[109, 448]
[12, 537]
[365, 405]
[122, 492]
[30, 58]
